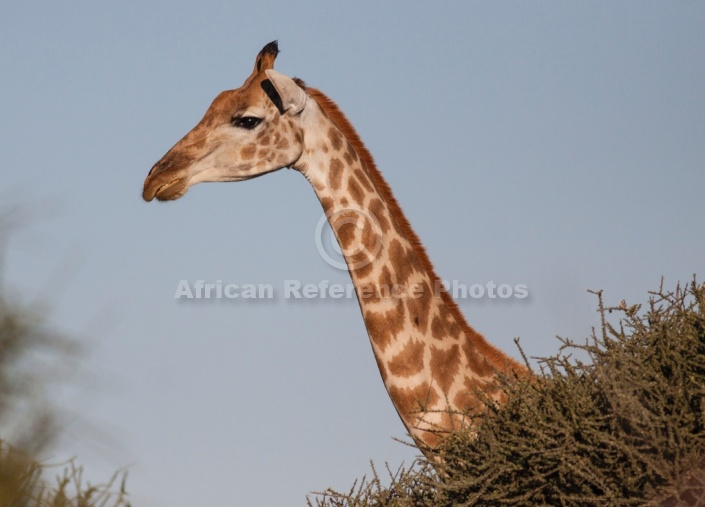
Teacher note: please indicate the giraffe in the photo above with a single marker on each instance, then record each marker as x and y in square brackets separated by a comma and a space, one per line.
[432, 363]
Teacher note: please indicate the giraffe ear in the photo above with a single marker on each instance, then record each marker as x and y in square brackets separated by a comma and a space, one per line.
[293, 98]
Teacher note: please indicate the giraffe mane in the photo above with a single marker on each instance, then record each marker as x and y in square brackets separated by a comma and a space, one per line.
[331, 109]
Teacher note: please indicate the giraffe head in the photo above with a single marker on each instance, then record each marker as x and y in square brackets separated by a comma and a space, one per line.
[245, 133]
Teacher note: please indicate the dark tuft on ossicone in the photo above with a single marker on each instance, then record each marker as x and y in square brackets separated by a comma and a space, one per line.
[270, 51]
[272, 48]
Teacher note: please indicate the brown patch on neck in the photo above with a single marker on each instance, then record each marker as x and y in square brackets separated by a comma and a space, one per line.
[413, 402]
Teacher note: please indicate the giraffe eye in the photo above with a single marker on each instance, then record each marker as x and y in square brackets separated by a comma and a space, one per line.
[246, 122]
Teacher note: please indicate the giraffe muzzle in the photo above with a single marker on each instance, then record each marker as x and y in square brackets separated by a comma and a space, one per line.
[168, 179]
[168, 191]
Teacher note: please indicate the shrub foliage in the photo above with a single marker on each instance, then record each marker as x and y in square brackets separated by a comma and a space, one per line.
[625, 426]
[28, 421]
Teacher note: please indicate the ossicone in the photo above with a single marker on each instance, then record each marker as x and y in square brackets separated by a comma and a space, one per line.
[265, 58]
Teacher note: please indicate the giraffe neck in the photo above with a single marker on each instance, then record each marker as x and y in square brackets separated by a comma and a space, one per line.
[431, 361]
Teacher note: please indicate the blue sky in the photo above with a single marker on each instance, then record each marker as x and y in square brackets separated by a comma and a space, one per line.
[551, 144]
